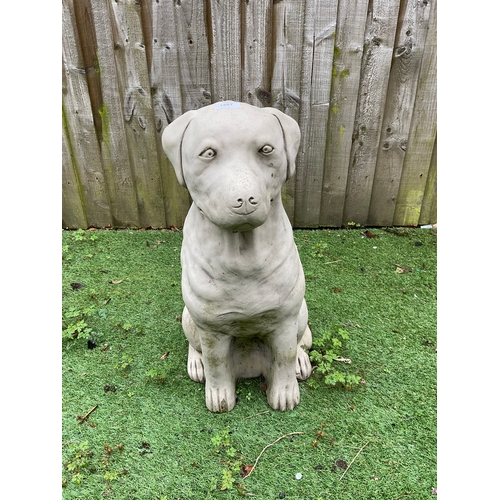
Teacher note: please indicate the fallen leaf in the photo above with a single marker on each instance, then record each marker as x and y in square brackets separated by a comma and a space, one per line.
[115, 282]
[401, 269]
[77, 286]
[337, 289]
[164, 356]
[368, 234]
[343, 360]
[145, 448]
[342, 464]
[245, 470]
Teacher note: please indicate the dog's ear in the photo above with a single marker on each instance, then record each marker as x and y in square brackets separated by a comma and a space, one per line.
[171, 140]
[291, 135]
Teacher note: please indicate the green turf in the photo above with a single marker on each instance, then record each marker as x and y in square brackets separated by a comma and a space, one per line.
[151, 436]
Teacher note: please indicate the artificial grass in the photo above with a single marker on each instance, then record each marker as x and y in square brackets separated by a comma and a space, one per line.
[151, 436]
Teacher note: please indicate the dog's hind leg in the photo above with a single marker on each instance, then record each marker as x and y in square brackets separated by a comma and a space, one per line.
[195, 367]
[303, 368]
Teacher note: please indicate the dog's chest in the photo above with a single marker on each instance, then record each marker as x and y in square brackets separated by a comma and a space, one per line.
[241, 298]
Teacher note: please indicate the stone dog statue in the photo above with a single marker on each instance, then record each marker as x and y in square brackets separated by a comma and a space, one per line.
[242, 279]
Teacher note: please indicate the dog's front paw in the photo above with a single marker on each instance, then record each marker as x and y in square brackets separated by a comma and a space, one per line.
[220, 399]
[283, 397]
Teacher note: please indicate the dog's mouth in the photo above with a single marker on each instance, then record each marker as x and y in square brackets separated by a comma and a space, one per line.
[244, 211]
[240, 215]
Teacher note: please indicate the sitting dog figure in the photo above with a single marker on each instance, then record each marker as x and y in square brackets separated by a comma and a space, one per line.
[242, 280]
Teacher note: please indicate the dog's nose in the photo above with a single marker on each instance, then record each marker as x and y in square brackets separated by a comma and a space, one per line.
[241, 201]
[247, 205]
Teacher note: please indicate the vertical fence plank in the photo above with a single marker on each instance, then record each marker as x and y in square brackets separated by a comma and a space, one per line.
[114, 148]
[257, 40]
[379, 42]
[79, 126]
[133, 78]
[288, 22]
[87, 41]
[226, 50]
[73, 215]
[407, 59]
[421, 137]
[428, 212]
[317, 63]
[344, 95]
[167, 103]
[194, 55]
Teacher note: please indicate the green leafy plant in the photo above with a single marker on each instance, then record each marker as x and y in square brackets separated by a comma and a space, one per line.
[126, 326]
[232, 460]
[65, 253]
[221, 440]
[83, 462]
[81, 235]
[75, 324]
[353, 225]
[319, 250]
[125, 362]
[326, 355]
[79, 464]
[156, 375]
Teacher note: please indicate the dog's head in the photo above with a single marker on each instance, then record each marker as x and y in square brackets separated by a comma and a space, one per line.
[233, 158]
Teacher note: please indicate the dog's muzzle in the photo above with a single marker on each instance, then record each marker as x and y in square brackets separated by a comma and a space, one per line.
[246, 206]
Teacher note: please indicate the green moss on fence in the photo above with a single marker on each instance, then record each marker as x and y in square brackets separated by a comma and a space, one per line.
[104, 114]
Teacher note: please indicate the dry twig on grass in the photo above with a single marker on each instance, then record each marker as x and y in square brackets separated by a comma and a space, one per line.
[268, 446]
[352, 461]
[256, 414]
[84, 419]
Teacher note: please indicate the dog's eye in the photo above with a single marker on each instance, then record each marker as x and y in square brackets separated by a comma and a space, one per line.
[208, 153]
[266, 149]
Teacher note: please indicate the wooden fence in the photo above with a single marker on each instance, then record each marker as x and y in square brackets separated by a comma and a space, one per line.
[359, 76]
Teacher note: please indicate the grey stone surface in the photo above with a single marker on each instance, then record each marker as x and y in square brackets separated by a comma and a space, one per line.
[242, 279]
